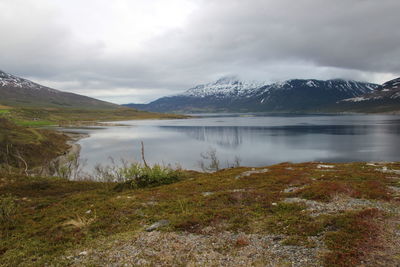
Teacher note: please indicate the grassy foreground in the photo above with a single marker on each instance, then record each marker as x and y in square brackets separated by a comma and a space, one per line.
[336, 215]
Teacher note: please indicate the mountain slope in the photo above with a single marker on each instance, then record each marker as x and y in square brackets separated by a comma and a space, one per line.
[232, 95]
[15, 91]
[385, 99]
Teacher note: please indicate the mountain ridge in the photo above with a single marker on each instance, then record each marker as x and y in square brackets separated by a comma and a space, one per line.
[233, 95]
[16, 91]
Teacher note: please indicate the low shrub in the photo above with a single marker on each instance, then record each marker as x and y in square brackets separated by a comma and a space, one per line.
[141, 176]
[137, 175]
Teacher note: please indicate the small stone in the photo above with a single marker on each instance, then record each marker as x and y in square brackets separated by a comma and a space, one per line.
[157, 225]
[88, 211]
[149, 203]
[274, 204]
[83, 253]
[205, 194]
[238, 190]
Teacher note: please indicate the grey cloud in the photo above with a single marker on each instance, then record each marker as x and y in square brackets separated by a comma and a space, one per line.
[256, 39]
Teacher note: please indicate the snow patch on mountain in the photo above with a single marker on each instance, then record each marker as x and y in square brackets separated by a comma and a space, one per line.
[225, 87]
[392, 84]
[8, 80]
[355, 99]
[311, 84]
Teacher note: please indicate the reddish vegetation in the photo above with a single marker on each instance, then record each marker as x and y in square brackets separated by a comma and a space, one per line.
[242, 241]
[357, 236]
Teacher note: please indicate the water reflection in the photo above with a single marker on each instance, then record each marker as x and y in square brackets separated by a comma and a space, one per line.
[257, 140]
[233, 136]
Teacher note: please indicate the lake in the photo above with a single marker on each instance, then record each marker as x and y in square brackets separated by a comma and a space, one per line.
[255, 140]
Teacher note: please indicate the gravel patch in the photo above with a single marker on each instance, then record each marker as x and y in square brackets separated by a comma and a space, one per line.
[222, 249]
[341, 204]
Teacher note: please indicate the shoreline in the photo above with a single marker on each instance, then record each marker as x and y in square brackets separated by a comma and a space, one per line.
[74, 149]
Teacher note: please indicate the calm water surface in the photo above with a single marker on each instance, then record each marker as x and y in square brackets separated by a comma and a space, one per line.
[256, 140]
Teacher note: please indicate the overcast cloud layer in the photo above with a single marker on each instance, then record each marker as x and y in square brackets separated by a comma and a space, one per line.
[138, 50]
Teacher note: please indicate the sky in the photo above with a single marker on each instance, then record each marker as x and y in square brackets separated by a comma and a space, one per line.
[135, 51]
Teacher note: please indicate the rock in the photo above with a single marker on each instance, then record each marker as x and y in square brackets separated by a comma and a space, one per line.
[293, 189]
[205, 194]
[322, 166]
[149, 203]
[157, 225]
[237, 190]
[248, 173]
[386, 170]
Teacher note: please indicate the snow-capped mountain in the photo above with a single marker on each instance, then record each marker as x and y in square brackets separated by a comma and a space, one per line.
[385, 99]
[233, 95]
[391, 85]
[225, 87]
[16, 91]
[8, 80]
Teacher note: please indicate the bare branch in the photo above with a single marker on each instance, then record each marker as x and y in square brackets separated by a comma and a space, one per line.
[143, 158]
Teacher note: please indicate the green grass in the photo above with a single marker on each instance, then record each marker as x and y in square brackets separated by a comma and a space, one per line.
[75, 116]
[4, 111]
[36, 123]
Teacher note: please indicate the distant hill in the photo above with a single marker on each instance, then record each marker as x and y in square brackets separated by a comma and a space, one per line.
[16, 91]
[233, 95]
[385, 99]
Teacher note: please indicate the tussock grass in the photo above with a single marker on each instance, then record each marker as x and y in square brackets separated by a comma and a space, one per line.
[79, 222]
